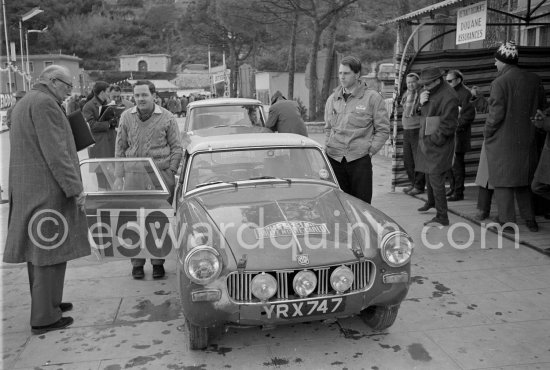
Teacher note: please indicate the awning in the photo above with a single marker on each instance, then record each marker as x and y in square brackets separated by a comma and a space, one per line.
[423, 11]
[527, 19]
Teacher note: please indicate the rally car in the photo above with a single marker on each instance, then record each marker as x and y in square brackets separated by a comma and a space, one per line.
[261, 231]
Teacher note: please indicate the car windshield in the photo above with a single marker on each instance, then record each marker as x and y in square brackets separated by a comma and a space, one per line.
[225, 115]
[136, 175]
[257, 164]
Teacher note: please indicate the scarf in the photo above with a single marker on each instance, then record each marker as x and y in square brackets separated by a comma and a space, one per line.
[410, 103]
[144, 116]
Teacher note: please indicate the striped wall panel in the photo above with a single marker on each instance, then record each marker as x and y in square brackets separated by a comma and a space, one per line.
[478, 68]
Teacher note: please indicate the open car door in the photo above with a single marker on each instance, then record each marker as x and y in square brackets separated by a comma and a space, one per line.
[127, 208]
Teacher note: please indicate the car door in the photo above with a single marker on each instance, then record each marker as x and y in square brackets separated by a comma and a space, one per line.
[127, 208]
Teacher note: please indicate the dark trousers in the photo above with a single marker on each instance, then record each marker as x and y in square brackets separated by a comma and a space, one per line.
[410, 146]
[169, 179]
[506, 207]
[436, 193]
[46, 285]
[458, 173]
[355, 178]
[484, 198]
[541, 189]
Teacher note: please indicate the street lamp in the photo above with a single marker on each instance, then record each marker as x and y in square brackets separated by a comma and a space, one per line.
[27, 48]
[25, 17]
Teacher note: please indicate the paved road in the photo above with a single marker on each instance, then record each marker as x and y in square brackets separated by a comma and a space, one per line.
[468, 308]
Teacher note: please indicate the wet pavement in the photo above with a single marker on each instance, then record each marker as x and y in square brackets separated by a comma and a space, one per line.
[468, 308]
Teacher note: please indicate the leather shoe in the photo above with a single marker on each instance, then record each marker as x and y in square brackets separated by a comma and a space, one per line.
[158, 271]
[65, 306]
[481, 215]
[407, 189]
[455, 197]
[137, 272]
[532, 225]
[437, 220]
[450, 192]
[415, 191]
[425, 207]
[59, 324]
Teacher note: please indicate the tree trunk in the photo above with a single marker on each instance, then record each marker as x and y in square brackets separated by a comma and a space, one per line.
[234, 63]
[329, 66]
[404, 29]
[313, 71]
[291, 66]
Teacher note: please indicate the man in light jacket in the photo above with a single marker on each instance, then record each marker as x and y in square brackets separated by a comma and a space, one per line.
[46, 225]
[356, 127]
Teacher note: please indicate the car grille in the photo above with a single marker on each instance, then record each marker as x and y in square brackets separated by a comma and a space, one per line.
[239, 284]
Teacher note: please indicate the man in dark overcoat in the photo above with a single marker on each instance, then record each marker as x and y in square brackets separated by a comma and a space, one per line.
[284, 116]
[104, 131]
[466, 116]
[510, 136]
[438, 122]
[541, 180]
[46, 224]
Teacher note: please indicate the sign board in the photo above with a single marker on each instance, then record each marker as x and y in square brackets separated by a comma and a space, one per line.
[471, 23]
[13, 55]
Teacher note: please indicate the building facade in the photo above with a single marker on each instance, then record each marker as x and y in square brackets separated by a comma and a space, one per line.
[145, 63]
[37, 63]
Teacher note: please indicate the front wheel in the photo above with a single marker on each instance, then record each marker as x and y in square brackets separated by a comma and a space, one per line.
[379, 317]
[198, 337]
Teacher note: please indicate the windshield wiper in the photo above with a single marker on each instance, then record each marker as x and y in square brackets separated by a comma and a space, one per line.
[270, 177]
[214, 183]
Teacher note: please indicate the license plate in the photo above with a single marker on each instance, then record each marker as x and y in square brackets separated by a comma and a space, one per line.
[304, 308]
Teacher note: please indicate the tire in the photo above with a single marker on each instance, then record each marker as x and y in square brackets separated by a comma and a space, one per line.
[198, 337]
[379, 317]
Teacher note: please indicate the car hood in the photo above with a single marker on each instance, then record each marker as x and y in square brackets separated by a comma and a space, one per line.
[274, 223]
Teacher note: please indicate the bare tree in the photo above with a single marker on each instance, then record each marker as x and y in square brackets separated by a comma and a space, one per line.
[321, 13]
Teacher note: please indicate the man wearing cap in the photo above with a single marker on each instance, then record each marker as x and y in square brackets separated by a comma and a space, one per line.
[466, 116]
[439, 119]
[356, 127]
[284, 116]
[510, 136]
[411, 129]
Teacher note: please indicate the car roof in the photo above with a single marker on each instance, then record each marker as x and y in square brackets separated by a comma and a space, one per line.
[199, 143]
[223, 101]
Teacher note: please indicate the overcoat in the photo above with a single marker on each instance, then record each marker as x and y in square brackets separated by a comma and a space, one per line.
[104, 134]
[466, 116]
[542, 173]
[482, 176]
[436, 151]
[45, 225]
[509, 134]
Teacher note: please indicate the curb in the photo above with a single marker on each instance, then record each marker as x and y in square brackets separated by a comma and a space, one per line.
[545, 251]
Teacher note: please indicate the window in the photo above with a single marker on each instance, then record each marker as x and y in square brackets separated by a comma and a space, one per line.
[47, 63]
[544, 36]
[142, 66]
[531, 37]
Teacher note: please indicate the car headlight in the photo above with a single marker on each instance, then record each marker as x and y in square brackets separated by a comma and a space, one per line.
[396, 248]
[202, 265]
[341, 279]
[304, 283]
[264, 286]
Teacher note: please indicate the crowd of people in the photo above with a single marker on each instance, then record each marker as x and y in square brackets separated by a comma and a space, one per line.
[438, 110]
[437, 116]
